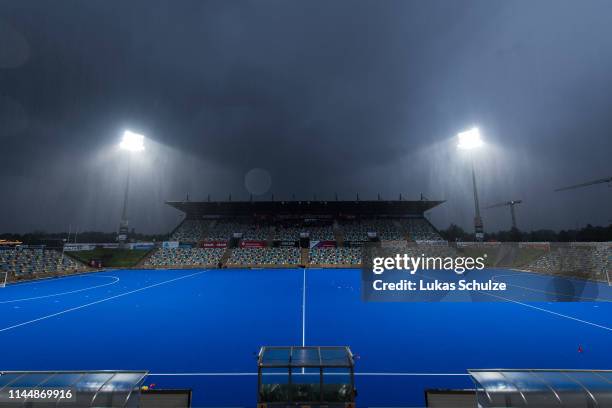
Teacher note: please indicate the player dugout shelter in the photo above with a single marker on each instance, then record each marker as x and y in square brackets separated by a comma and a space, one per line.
[307, 375]
[543, 388]
[80, 388]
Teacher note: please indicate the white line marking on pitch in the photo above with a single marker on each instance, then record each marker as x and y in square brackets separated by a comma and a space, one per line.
[551, 312]
[365, 374]
[540, 309]
[411, 374]
[304, 314]
[72, 309]
[304, 310]
[202, 374]
[65, 293]
[597, 299]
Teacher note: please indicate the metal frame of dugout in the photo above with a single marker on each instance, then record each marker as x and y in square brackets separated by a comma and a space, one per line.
[542, 388]
[111, 389]
[305, 375]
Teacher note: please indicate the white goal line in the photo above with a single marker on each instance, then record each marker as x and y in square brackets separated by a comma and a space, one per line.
[364, 374]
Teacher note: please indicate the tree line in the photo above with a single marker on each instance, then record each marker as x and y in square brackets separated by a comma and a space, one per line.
[589, 233]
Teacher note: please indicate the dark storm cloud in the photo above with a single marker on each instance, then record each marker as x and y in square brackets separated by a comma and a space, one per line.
[326, 97]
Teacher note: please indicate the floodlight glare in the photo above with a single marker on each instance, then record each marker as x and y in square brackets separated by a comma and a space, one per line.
[132, 142]
[469, 139]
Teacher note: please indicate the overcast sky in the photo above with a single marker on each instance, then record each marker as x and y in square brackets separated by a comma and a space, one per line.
[324, 97]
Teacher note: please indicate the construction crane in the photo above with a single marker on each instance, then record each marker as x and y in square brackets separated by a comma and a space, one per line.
[588, 183]
[510, 204]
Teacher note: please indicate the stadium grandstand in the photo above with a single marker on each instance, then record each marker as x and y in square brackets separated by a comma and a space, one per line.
[306, 234]
[289, 233]
[590, 260]
[31, 262]
[264, 257]
[165, 257]
[335, 256]
[247, 234]
[335, 233]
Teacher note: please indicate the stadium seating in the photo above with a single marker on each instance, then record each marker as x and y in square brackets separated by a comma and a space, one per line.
[386, 230]
[256, 233]
[320, 233]
[223, 230]
[265, 256]
[185, 256]
[24, 262]
[287, 233]
[391, 230]
[418, 229]
[36, 261]
[317, 233]
[356, 231]
[335, 256]
[189, 231]
[588, 260]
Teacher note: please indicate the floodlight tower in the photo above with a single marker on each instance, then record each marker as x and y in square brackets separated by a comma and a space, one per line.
[470, 140]
[132, 143]
[511, 204]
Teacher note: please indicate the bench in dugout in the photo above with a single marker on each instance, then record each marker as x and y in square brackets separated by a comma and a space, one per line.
[442, 398]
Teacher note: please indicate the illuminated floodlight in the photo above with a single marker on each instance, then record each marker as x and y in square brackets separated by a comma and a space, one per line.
[132, 142]
[470, 139]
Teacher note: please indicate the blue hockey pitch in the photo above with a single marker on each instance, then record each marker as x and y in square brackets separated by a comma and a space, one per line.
[201, 329]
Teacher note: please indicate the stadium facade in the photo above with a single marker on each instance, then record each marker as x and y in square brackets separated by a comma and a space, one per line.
[290, 233]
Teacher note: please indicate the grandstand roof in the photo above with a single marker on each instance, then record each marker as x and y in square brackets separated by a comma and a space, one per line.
[201, 209]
